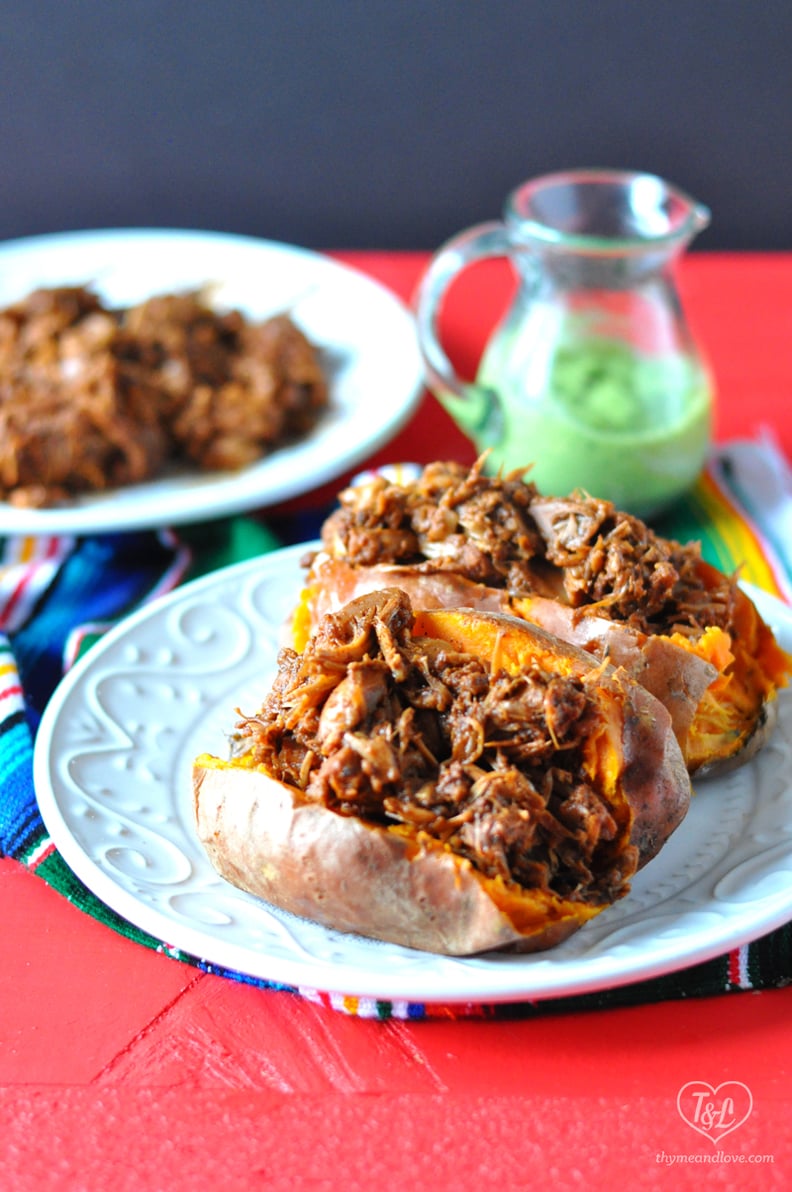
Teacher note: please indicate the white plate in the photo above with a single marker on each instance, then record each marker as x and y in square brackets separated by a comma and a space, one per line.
[112, 772]
[365, 331]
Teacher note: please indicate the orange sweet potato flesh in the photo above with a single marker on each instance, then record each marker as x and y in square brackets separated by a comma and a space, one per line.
[398, 884]
[736, 713]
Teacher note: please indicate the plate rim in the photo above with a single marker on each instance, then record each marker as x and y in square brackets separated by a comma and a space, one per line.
[223, 494]
[393, 987]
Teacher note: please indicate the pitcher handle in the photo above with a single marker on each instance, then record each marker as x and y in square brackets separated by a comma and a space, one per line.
[484, 240]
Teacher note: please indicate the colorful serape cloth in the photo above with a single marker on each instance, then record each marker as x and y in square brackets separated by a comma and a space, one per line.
[59, 594]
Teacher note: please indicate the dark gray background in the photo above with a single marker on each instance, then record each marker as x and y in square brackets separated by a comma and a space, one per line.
[362, 123]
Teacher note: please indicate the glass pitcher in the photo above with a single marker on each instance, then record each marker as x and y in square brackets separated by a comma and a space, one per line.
[592, 377]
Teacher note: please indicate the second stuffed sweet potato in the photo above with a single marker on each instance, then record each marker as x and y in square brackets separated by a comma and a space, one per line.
[598, 578]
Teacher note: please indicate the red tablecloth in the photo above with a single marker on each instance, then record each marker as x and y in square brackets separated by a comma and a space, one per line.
[120, 1067]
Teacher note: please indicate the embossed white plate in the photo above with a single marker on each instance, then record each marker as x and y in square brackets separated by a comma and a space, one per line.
[112, 770]
[366, 335]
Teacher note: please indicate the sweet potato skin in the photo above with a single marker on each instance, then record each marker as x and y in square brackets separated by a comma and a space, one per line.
[399, 885]
[262, 836]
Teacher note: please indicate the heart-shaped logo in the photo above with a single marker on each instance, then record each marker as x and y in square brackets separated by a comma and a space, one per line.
[714, 1112]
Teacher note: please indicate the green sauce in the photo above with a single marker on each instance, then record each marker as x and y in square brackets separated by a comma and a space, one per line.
[631, 428]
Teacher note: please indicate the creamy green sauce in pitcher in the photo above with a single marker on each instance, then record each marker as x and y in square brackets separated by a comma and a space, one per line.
[632, 428]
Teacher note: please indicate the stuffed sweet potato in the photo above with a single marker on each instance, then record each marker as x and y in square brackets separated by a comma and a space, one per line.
[449, 780]
[596, 577]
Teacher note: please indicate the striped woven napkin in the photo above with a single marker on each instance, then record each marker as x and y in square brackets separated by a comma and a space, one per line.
[58, 594]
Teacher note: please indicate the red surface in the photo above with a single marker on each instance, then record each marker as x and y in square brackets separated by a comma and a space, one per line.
[121, 1068]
